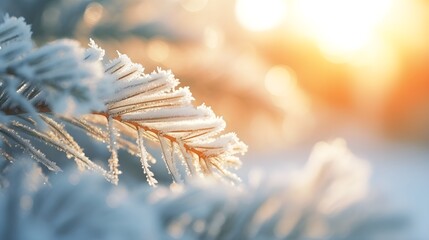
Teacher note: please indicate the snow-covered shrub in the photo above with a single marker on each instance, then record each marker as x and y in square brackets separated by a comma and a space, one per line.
[312, 205]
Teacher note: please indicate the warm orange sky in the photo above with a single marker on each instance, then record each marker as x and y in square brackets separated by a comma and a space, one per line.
[302, 65]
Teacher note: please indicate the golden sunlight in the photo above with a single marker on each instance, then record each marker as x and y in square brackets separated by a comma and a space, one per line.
[342, 27]
[260, 15]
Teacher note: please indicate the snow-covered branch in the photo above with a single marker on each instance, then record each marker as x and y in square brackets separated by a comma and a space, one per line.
[44, 89]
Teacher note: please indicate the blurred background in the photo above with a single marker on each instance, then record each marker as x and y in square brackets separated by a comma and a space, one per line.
[284, 74]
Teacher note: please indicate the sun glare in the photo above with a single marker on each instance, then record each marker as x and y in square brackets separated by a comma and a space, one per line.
[342, 27]
[260, 15]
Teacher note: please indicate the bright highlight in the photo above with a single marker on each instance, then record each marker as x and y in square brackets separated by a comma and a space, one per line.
[342, 27]
[260, 15]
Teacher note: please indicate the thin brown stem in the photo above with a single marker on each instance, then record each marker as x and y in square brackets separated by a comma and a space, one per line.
[157, 132]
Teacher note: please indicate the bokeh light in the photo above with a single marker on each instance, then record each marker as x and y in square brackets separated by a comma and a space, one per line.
[213, 37]
[193, 5]
[158, 50]
[93, 13]
[279, 80]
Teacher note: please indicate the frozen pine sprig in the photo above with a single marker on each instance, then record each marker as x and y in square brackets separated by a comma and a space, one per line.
[67, 80]
[46, 90]
[37, 85]
[15, 39]
[59, 76]
[185, 133]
